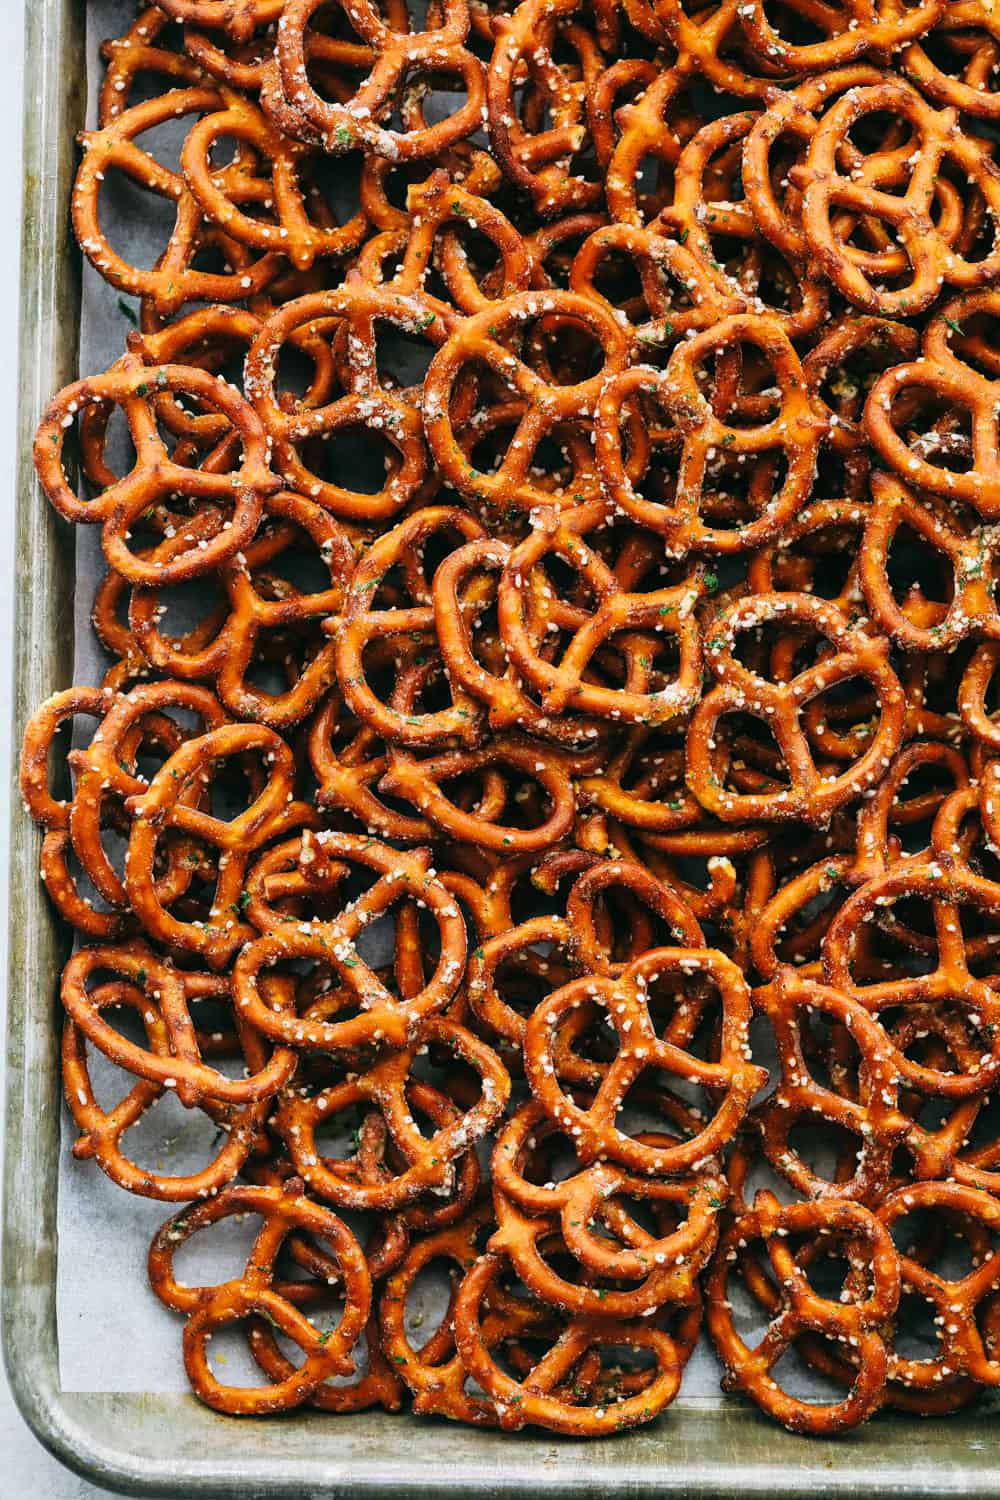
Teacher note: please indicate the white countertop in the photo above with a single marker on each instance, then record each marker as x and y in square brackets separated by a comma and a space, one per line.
[27, 1471]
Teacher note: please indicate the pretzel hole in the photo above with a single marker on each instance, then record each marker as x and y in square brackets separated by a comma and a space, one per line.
[738, 380]
[148, 81]
[916, 1337]
[756, 762]
[189, 615]
[123, 202]
[529, 975]
[975, 341]
[949, 1243]
[401, 359]
[738, 488]
[173, 1141]
[849, 713]
[676, 1111]
[984, 1137]
[937, 431]
[563, 349]
[833, 1154]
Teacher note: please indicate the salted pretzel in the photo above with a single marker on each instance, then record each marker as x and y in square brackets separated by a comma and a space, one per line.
[968, 31]
[209, 1308]
[401, 57]
[703, 213]
[456, 610]
[825, 189]
[664, 1267]
[947, 886]
[227, 656]
[867, 26]
[808, 793]
[969, 551]
[366, 403]
[293, 233]
[794, 916]
[539, 161]
[240, 18]
[483, 342]
[141, 51]
[856, 1320]
[955, 1298]
[535, 1399]
[940, 374]
[101, 1131]
[430, 1160]
[561, 685]
[400, 877]
[576, 935]
[162, 806]
[624, 1000]
[710, 44]
[181, 1068]
[873, 1118]
[551, 666]
[794, 430]
[366, 620]
[173, 280]
[154, 475]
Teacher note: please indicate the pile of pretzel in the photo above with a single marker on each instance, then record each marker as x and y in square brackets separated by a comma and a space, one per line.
[643, 688]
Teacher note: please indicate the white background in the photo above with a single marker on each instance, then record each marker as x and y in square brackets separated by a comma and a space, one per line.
[27, 1472]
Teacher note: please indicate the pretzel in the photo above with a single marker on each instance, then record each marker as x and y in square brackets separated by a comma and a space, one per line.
[399, 56]
[240, 18]
[872, 27]
[618, 613]
[535, 1400]
[293, 234]
[795, 431]
[228, 656]
[173, 280]
[102, 1130]
[503, 694]
[808, 794]
[970, 91]
[709, 43]
[181, 1068]
[454, 800]
[695, 217]
[940, 372]
[928, 254]
[362, 622]
[135, 53]
[366, 403]
[594, 1131]
[856, 1321]
[430, 1160]
[955, 1298]
[162, 806]
[211, 1308]
[968, 550]
[154, 475]
[948, 886]
[401, 876]
[664, 1267]
[481, 341]
[873, 1117]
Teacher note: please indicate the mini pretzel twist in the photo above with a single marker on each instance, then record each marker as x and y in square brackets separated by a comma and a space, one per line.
[809, 795]
[856, 1320]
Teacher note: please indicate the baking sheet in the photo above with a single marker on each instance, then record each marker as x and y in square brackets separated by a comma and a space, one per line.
[114, 1335]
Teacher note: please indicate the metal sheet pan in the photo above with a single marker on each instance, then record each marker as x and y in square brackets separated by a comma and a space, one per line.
[152, 1444]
